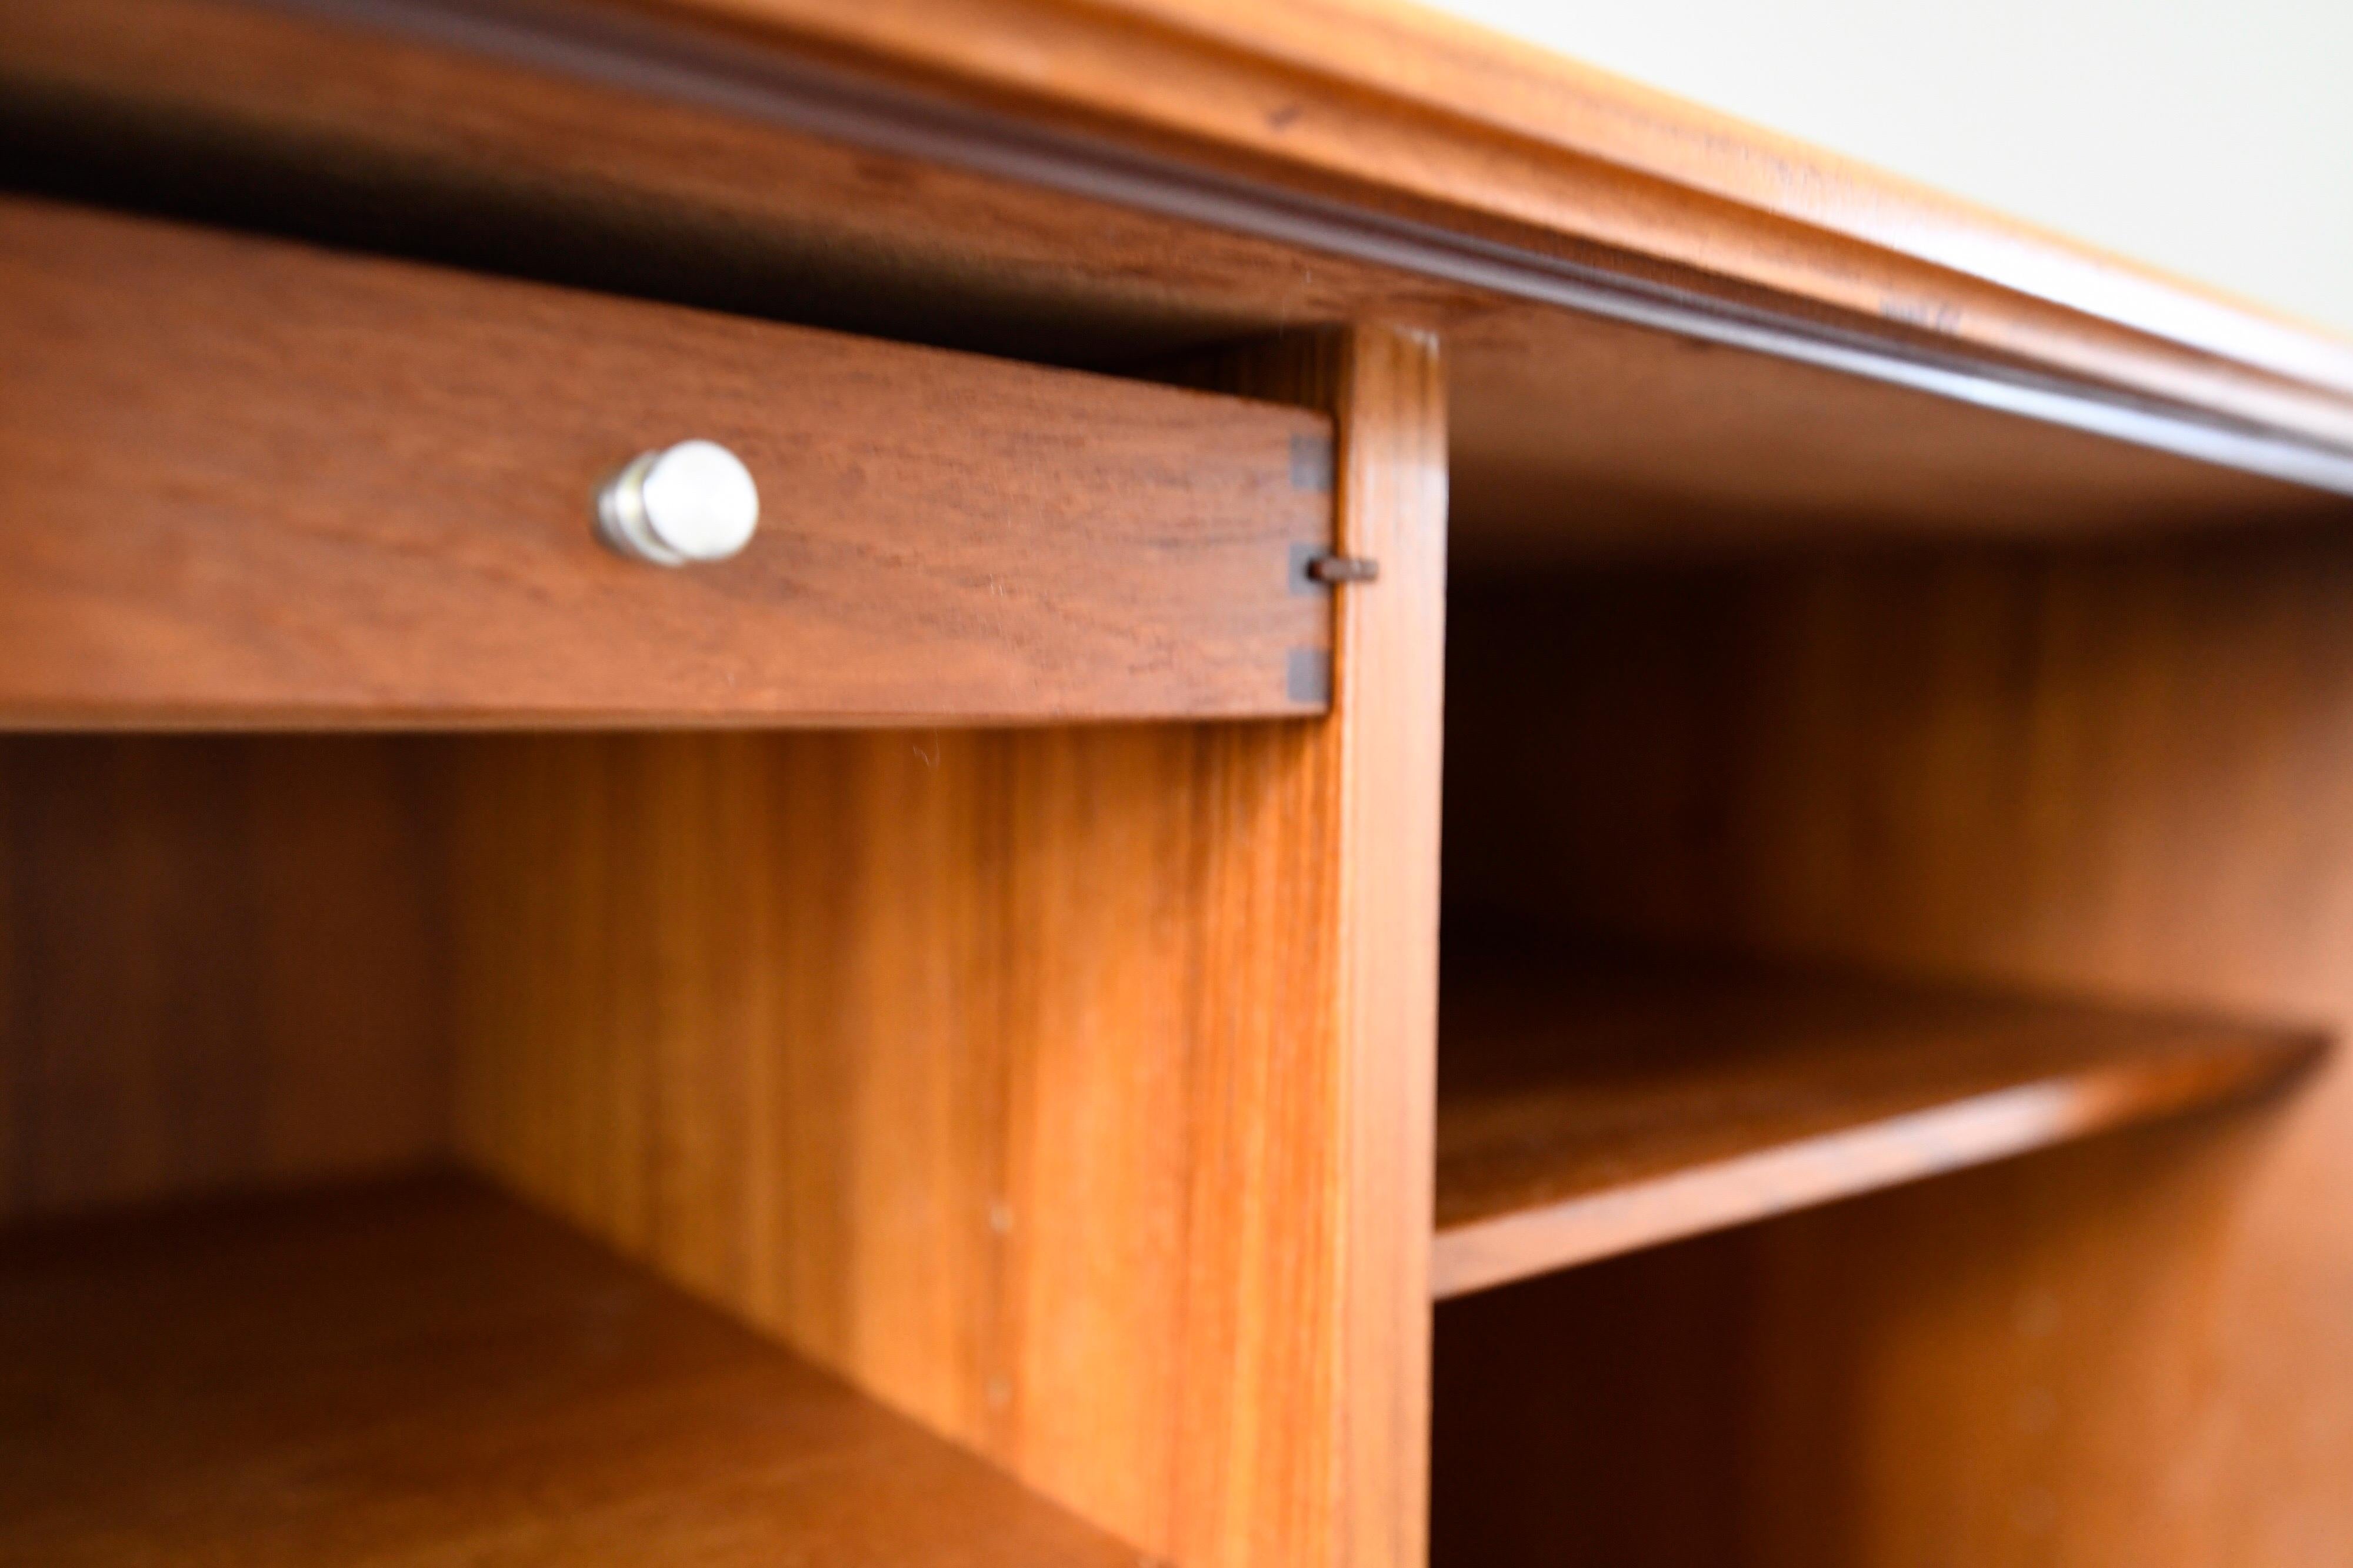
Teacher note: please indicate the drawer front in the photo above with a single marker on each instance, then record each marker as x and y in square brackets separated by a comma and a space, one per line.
[246, 481]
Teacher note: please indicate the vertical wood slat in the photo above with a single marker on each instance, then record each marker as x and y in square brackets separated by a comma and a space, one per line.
[1385, 391]
[1069, 1087]
[1378, 764]
[1389, 696]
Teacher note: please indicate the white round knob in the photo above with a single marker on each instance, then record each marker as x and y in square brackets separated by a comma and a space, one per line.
[694, 501]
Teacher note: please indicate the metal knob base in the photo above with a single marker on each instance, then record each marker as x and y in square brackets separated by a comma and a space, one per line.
[680, 505]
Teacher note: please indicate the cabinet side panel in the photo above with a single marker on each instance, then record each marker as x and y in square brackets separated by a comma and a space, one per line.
[1390, 698]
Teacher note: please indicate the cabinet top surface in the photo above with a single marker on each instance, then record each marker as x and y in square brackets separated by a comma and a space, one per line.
[1488, 136]
[1106, 184]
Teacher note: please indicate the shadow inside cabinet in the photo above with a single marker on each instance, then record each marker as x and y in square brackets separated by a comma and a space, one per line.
[1822, 885]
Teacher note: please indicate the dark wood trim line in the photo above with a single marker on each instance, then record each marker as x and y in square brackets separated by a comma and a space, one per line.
[656, 57]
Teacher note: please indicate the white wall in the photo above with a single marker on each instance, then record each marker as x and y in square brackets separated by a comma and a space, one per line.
[2211, 138]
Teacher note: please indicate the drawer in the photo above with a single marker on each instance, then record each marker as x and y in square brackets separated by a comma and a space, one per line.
[247, 482]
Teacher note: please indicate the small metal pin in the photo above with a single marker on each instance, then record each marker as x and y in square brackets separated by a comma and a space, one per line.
[1344, 569]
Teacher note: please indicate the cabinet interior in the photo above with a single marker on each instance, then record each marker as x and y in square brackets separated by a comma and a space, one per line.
[1896, 880]
[1833, 820]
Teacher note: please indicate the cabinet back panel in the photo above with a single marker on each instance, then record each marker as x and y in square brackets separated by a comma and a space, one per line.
[1592, 1418]
[219, 965]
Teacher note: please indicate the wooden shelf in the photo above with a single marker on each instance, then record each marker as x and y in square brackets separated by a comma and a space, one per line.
[428, 1373]
[1590, 1108]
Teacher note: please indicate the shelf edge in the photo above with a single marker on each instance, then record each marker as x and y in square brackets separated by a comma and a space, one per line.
[1980, 1129]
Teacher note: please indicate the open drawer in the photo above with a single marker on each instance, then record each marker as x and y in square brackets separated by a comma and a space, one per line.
[247, 481]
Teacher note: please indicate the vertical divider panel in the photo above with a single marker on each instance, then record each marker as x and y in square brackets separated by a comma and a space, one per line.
[1390, 697]
[1069, 1088]
[1386, 392]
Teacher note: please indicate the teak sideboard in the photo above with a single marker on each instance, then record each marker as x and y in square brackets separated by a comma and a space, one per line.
[546, 1019]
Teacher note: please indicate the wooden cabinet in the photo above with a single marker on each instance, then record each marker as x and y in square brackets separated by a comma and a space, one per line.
[955, 1036]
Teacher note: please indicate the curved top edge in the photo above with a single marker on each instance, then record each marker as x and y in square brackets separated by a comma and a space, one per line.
[1443, 115]
[1456, 67]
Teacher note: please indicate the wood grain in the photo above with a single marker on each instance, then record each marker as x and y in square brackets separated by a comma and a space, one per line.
[337, 490]
[423, 1373]
[1387, 109]
[1065, 1088]
[738, 174]
[1580, 440]
[1390, 401]
[1594, 1106]
[1416, 105]
[220, 966]
[1385, 388]
[2115, 771]
[995, 1072]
